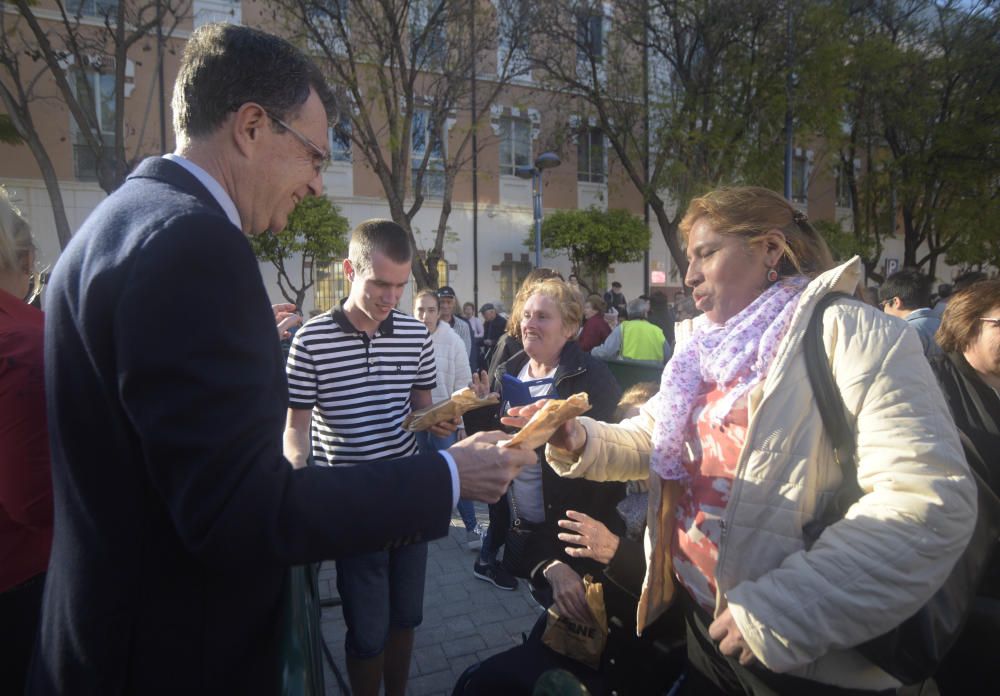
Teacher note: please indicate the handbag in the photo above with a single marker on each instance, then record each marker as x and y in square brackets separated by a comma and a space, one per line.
[912, 651]
[515, 552]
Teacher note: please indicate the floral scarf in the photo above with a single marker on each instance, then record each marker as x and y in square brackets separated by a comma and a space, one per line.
[736, 356]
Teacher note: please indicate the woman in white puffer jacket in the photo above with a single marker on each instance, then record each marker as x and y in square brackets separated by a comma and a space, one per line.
[738, 463]
[453, 373]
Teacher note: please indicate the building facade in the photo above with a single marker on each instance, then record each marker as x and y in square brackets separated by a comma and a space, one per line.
[523, 122]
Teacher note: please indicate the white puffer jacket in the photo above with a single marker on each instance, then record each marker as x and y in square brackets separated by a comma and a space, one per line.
[801, 611]
[452, 362]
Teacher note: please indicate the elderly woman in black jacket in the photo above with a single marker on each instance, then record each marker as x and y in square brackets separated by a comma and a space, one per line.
[638, 666]
[551, 365]
[969, 374]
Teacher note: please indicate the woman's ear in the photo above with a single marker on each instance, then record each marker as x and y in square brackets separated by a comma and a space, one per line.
[26, 261]
[775, 244]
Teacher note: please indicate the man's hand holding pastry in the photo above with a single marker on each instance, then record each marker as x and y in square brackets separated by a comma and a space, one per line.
[550, 420]
[484, 469]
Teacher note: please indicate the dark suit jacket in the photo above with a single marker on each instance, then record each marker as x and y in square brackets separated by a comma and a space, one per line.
[176, 515]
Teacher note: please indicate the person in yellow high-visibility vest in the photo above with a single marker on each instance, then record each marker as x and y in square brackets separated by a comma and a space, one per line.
[635, 339]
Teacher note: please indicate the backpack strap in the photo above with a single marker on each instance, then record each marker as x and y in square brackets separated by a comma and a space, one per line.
[833, 413]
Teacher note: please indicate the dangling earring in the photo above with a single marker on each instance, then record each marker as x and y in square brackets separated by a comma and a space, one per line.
[772, 275]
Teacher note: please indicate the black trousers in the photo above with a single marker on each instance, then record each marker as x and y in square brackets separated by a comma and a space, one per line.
[710, 673]
[20, 612]
[496, 534]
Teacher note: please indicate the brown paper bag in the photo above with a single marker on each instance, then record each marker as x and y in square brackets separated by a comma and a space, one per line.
[582, 642]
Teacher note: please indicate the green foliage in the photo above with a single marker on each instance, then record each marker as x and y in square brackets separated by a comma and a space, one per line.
[594, 239]
[843, 244]
[8, 134]
[317, 231]
[925, 117]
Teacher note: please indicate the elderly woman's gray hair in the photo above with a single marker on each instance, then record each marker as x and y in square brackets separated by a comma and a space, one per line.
[638, 308]
[15, 234]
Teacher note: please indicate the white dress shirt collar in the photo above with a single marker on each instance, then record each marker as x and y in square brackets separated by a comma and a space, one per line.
[213, 186]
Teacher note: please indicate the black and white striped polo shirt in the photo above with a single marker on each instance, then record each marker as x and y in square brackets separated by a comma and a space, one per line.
[359, 387]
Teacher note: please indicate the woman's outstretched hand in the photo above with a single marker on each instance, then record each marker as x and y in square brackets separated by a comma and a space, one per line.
[569, 436]
[593, 539]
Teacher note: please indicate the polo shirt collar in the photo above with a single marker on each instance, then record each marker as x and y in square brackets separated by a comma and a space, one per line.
[340, 317]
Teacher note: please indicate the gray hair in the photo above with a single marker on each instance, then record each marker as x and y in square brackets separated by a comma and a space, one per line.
[15, 234]
[638, 308]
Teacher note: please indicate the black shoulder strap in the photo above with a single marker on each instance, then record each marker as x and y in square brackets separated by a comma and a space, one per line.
[831, 404]
[835, 423]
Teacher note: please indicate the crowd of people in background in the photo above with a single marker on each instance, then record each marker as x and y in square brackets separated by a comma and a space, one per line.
[144, 551]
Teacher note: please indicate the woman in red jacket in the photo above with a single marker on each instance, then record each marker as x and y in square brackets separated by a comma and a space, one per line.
[595, 328]
[25, 476]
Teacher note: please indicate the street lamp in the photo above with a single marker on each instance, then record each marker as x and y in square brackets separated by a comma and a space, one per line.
[546, 160]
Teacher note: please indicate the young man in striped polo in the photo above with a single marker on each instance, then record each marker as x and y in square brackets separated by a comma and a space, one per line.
[354, 373]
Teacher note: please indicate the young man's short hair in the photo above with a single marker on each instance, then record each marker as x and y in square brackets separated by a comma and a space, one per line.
[382, 236]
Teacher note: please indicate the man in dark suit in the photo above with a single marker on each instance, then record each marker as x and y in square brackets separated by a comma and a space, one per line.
[176, 515]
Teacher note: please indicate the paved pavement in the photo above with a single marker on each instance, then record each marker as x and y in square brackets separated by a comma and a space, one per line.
[465, 619]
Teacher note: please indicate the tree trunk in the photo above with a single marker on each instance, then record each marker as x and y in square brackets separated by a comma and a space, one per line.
[668, 229]
[910, 240]
[21, 119]
[55, 194]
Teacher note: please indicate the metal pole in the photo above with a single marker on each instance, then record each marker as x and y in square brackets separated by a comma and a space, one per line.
[475, 159]
[536, 180]
[789, 116]
[159, 76]
[645, 144]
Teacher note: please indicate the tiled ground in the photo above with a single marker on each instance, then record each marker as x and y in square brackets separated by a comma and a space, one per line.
[465, 619]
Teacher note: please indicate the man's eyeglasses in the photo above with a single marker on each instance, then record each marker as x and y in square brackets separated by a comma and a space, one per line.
[321, 158]
[995, 321]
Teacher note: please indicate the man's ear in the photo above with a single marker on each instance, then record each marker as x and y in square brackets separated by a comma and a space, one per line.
[349, 270]
[247, 127]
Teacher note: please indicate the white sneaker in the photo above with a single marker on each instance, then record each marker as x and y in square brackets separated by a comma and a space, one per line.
[474, 537]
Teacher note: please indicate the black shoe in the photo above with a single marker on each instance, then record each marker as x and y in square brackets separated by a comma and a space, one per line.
[492, 572]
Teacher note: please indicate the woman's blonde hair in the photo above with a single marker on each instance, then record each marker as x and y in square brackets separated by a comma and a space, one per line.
[751, 212]
[560, 292]
[15, 234]
[517, 307]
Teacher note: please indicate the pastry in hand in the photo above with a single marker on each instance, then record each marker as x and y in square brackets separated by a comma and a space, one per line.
[537, 431]
[462, 401]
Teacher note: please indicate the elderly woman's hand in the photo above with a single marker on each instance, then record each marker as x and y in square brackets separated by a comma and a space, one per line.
[480, 384]
[568, 592]
[593, 538]
[731, 642]
[569, 436]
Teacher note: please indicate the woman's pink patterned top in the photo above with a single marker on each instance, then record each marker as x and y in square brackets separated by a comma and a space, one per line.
[711, 467]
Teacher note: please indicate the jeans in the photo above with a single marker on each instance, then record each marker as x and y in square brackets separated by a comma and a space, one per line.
[429, 444]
